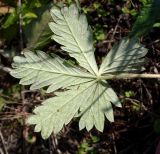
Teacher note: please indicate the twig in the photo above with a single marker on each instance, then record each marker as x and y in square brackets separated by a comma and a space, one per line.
[5, 69]
[54, 143]
[114, 144]
[25, 129]
[1, 151]
[114, 31]
[20, 24]
[113, 137]
[3, 143]
[131, 100]
[135, 101]
[148, 93]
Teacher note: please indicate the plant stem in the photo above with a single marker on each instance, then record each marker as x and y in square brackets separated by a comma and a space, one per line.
[128, 76]
[20, 24]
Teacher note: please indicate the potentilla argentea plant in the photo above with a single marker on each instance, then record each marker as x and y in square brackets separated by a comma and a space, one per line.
[88, 94]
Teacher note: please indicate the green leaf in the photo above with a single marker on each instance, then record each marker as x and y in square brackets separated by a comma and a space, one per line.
[37, 33]
[157, 25]
[11, 19]
[126, 56]
[147, 18]
[2, 103]
[30, 15]
[71, 30]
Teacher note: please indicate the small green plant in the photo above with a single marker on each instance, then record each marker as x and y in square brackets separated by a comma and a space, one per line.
[99, 33]
[84, 147]
[148, 16]
[87, 145]
[127, 9]
[87, 93]
[129, 93]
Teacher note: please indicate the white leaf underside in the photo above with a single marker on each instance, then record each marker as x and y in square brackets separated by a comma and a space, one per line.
[91, 100]
[87, 97]
[42, 70]
[126, 56]
[71, 30]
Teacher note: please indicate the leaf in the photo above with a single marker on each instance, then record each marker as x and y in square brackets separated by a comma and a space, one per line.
[2, 103]
[147, 18]
[11, 19]
[127, 56]
[85, 96]
[30, 15]
[97, 104]
[55, 112]
[71, 30]
[42, 70]
[37, 33]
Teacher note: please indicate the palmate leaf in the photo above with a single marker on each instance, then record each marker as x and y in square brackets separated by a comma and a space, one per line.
[87, 95]
[126, 56]
[72, 31]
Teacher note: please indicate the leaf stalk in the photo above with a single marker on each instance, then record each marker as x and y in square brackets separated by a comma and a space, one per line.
[127, 76]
